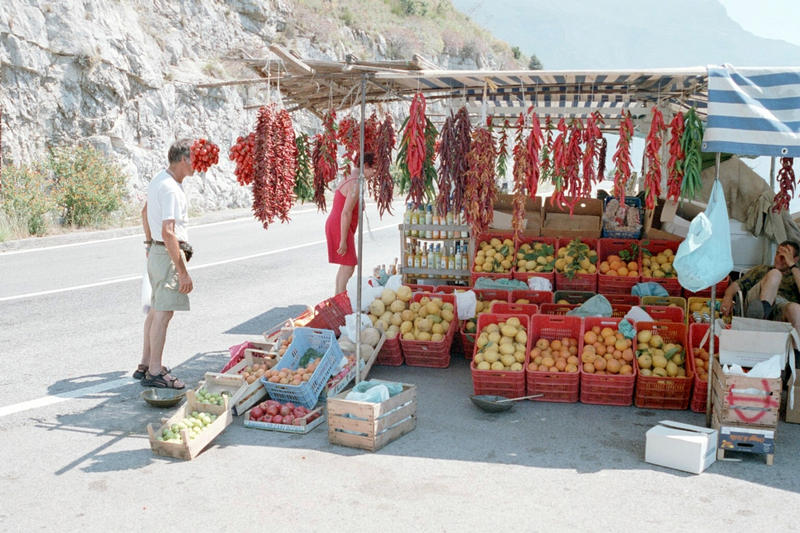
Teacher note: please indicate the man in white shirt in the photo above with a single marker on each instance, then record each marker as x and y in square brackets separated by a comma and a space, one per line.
[164, 218]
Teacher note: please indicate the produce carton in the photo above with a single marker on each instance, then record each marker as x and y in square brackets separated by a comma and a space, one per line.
[681, 446]
[504, 210]
[585, 222]
[232, 384]
[313, 419]
[744, 400]
[254, 391]
[750, 341]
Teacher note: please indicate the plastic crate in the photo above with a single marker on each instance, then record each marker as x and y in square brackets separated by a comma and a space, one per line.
[572, 297]
[619, 310]
[672, 285]
[525, 276]
[500, 308]
[502, 235]
[691, 318]
[580, 282]
[484, 295]
[699, 386]
[330, 313]
[306, 394]
[608, 284]
[416, 287]
[606, 389]
[556, 309]
[391, 354]
[722, 286]
[429, 353]
[631, 201]
[624, 299]
[534, 297]
[667, 301]
[447, 289]
[660, 313]
[664, 392]
[556, 386]
[508, 383]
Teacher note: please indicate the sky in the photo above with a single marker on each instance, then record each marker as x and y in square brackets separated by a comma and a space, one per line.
[776, 19]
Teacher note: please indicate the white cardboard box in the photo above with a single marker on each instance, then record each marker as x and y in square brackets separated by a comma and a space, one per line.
[681, 446]
[750, 341]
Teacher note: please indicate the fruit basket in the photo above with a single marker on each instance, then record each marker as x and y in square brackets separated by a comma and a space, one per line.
[609, 388]
[556, 386]
[661, 313]
[299, 425]
[532, 297]
[623, 299]
[251, 368]
[330, 313]
[547, 244]
[307, 393]
[722, 286]
[619, 310]
[699, 309]
[572, 297]
[505, 382]
[699, 339]
[501, 244]
[556, 309]
[667, 301]
[576, 281]
[432, 354]
[390, 353]
[623, 258]
[650, 251]
[662, 392]
[485, 297]
[500, 308]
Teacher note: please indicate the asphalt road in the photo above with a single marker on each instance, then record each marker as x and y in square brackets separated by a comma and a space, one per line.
[75, 455]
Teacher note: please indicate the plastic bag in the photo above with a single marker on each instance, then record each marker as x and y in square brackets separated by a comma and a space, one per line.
[376, 394]
[597, 305]
[539, 284]
[637, 314]
[394, 282]
[649, 288]
[466, 303]
[704, 257]
[349, 329]
[370, 289]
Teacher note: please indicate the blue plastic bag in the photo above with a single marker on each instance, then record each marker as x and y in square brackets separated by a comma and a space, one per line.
[649, 288]
[704, 257]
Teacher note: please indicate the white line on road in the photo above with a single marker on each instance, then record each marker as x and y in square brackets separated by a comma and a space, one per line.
[191, 268]
[63, 396]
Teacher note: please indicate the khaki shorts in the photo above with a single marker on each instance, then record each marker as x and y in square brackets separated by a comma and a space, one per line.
[753, 307]
[164, 282]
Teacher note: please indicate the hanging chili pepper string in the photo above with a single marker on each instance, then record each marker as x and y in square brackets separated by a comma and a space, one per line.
[676, 155]
[446, 151]
[326, 165]
[593, 141]
[243, 153]
[691, 144]
[622, 157]
[520, 172]
[304, 178]
[559, 164]
[480, 191]
[415, 148]
[652, 181]
[573, 157]
[533, 147]
[786, 180]
[502, 150]
[463, 144]
[384, 144]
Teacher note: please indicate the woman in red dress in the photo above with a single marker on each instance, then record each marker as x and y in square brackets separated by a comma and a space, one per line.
[340, 228]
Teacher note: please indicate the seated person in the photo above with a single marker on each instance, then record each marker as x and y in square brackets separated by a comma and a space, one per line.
[770, 292]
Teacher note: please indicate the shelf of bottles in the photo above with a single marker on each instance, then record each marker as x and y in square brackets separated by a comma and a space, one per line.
[434, 248]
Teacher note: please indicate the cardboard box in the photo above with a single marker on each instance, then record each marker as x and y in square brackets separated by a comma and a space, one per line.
[750, 440]
[793, 402]
[681, 446]
[738, 345]
[504, 210]
[585, 221]
[743, 400]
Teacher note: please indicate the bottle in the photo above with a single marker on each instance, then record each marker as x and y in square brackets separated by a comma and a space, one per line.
[451, 260]
[431, 257]
[458, 260]
[450, 222]
[435, 232]
[423, 260]
[407, 218]
[437, 257]
[417, 257]
[410, 255]
[429, 220]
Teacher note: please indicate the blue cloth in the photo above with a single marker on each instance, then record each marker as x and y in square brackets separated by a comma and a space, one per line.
[627, 329]
[597, 305]
[649, 288]
[502, 284]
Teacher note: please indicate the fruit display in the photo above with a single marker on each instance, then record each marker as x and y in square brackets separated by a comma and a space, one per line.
[370, 337]
[624, 263]
[194, 423]
[494, 256]
[658, 358]
[254, 372]
[275, 412]
[286, 376]
[502, 346]
[428, 319]
[535, 257]
[214, 398]
[387, 312]
[701, 363]
[607, 351]
[576, 258]
[556, 355]
[659, 265]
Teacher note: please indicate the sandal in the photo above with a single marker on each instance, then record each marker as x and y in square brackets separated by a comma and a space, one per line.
[162, 381]
[142, 369]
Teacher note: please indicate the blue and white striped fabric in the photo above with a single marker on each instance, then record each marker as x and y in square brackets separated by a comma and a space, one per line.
[753, 111]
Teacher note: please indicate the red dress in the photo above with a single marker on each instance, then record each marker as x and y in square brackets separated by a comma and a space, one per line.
[333, 231]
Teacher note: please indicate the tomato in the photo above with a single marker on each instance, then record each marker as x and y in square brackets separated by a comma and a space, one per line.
[272, 410]
[256, 412]
[277, 419]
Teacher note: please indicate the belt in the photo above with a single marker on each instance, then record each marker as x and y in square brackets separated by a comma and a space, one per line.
[160, 243]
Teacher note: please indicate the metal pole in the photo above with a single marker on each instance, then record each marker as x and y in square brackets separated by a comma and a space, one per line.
[713, 306]
[360, 226]
[766, 248]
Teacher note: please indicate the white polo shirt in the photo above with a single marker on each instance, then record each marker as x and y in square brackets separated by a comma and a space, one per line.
[167, 201]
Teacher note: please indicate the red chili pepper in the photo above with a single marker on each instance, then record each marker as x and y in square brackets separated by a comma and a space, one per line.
[480, 191]
[622, 157]
[787, 182]
[652, 179]
[676, 156]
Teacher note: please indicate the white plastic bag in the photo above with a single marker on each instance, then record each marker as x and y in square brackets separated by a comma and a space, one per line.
[539, 284]
[394, 282]
[704, 257]
[147, 291]
[637, 314]
[349, 329]
[466, 303]
[370, 289]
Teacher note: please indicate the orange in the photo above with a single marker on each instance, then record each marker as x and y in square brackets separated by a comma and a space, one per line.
[626, 370]
[599, 364]
[613, 258]
[633, 265]
[588, 367]
[622, 271]
[596, 330]
[614, 366]
[607, 332]
[633, 274]
[604, 267]
[627, 354]
[555, 345]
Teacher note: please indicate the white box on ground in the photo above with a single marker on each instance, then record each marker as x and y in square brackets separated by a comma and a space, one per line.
[750, 341]
[681, 446]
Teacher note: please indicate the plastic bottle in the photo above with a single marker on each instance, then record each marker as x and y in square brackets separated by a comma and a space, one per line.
[449, 221]
[458, 261]
[417, 257]
[407, 218]
[429, 220]
[410, 255]
[435, 232]
[451, 259]
[423, 260]
[431, 257]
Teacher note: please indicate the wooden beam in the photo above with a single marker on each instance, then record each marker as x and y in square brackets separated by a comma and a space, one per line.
[291, 63]
[251, 81]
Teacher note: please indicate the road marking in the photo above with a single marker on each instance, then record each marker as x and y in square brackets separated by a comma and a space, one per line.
[51, 399]
[191, 268]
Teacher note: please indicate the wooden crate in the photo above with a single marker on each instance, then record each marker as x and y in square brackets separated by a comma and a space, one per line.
[190, 448]
[232, 384]
[255, 391]
[371, 426]
[305, 427]
[334, 387]
[734, 408]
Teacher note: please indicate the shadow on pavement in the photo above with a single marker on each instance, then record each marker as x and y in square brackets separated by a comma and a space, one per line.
[267, 320]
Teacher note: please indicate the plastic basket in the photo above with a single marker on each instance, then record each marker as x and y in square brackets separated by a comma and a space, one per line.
[672, 285]
[667, 301]
[447, 289]
[502, 235]
[572, 297]
[525, 276]
[660, 313]
[484, 295]
[508, 383]
[607, 284]
[306, 394]
[580, 282]
[624, 299]
[429, 353]
[631, 201]
[700, 386]
[556, 386]
[692, 318]
[391, 354]
[416, 287]
[664, 392]
[500, 308]
[534, 297]
[619, 310]
[556, 309]
[606, 389]
[722, 286]
[330, 313]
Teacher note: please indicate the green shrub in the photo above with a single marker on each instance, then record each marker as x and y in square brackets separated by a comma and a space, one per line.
[88, 185]
[26, 200]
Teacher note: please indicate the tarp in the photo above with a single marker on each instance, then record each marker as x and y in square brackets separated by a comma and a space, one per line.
[753, 111]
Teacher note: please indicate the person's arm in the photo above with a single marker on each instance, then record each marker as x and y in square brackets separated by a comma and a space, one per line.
[727, 300]
[795, 270]
[148, 237]
[346, 218]
[174, 251]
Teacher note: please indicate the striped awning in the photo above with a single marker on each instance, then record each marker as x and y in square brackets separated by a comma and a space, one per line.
[753, 111]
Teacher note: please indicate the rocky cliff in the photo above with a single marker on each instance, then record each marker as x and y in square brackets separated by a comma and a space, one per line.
[122, 74]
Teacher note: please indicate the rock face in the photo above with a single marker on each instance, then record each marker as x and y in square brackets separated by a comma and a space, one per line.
[121, 75]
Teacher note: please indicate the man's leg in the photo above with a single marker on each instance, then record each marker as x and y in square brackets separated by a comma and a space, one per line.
[791, 314]
[342, 276]
[148, 322]
[158, 336]
[770, 285]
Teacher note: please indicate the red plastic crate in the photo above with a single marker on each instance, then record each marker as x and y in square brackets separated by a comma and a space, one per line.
[572, 297]
[662, 313]
[501, 382]
[606, 389]
[489, 235]
[524, 276]
[428, 353]
[483, 295]
[467, 342]
[330, 313]
[556, 309]
[654, 247]
[619, 310]
[580, 282]
[475, 276]
[448, 289]
[616, 284]
[416, 287]
[534, 297]
[624, 299]
[664, 392]
[700, 386]
[391, 354]
[556, 386]
[514, 309]
[722, 286]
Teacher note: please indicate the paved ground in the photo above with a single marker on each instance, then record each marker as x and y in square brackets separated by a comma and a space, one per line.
[75, 454]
